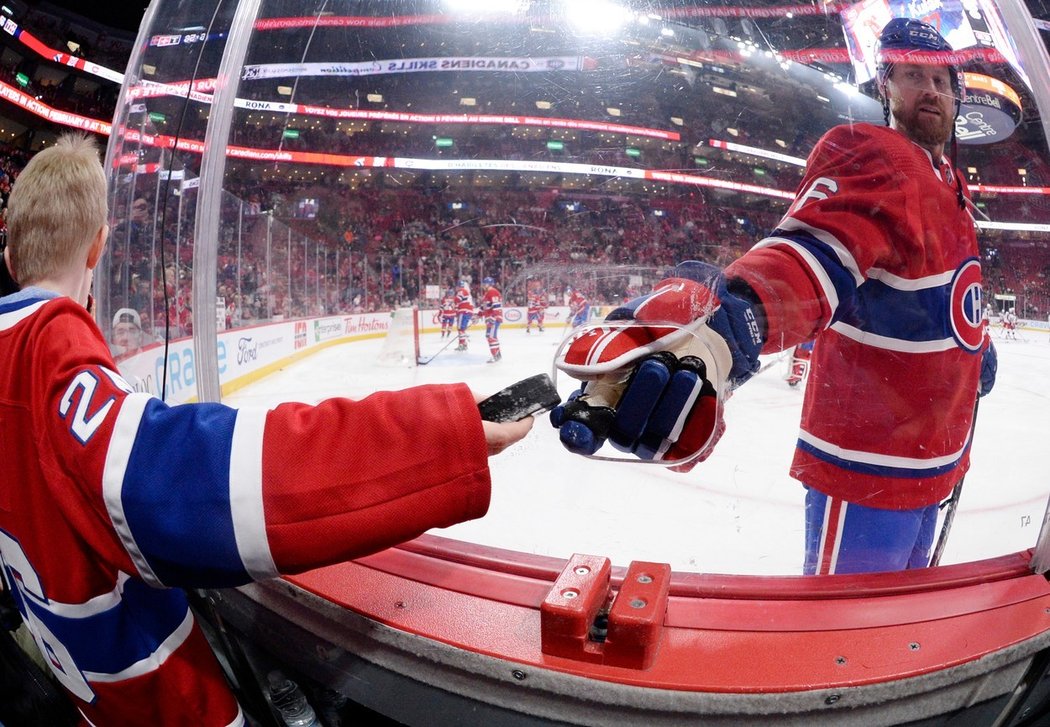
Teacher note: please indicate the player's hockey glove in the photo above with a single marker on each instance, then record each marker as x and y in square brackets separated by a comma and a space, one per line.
[656, 371]
[989, 367]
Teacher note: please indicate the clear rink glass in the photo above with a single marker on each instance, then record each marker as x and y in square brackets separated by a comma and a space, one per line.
[308, 168]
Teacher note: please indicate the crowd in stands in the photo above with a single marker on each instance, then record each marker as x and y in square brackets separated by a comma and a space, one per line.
[397, 242]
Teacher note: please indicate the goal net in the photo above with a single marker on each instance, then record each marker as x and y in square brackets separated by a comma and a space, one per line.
[401, 345]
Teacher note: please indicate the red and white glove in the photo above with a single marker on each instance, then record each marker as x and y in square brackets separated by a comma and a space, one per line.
[657, 370]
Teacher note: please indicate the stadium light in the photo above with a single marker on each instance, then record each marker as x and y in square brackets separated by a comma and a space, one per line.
[595, 17]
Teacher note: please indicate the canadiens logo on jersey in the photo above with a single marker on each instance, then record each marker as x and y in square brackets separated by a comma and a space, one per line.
[966, 307]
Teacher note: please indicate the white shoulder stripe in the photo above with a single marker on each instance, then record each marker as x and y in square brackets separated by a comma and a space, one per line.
[246, 499]
[882, 460]
[152, 662]
[120, 444]
[10, 320]
[893, 344]
[898, 283]
[845, 257]
[826, 286]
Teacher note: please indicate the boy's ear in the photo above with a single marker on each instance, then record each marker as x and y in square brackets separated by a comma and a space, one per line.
[98, 244]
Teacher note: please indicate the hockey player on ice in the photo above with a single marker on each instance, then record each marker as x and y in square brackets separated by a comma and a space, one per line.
[491, 310]
[578, 307]
[537, 305]
[447, 312]
[877, 259]
[464, 312]
[1010, 325]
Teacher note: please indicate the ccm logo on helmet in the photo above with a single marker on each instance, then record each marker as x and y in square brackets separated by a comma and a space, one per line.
[966, 306]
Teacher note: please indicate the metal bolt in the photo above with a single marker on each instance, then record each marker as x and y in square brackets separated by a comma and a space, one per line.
[645, 578]
[914, 646]
[832, 698]
[399, 604]
[582, 570]
[569, 593]
[638, 603]
[840, 660]
[518, 674]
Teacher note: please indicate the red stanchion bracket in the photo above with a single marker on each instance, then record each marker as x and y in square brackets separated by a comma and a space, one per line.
[637, 616]
[582, 619]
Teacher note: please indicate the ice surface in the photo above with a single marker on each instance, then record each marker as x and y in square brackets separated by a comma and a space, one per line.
[738, 512]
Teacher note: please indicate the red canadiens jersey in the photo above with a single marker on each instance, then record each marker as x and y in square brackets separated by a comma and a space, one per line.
[577, 301]
[448, 305]
[537, 303]
[116, 501]
[464, 300]
[492, 305]
[877, 251]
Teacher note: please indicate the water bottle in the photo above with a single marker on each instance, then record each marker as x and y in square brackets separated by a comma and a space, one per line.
[290, 701]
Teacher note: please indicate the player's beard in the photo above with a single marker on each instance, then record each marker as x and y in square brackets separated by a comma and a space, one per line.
[922, 128]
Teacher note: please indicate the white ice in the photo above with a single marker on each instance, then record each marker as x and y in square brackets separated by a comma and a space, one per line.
[738, 512]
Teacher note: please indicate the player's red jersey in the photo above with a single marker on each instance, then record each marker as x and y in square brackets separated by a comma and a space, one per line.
[577, 301]
[115, 496]
[877, 250]
[491, 304]
[464, 300]
[448, 305]
[537, 302]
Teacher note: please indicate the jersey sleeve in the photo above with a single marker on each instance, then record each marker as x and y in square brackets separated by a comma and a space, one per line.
[855, 211]
[204, 495]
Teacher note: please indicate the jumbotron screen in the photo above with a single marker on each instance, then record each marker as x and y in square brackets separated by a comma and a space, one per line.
[963, 23]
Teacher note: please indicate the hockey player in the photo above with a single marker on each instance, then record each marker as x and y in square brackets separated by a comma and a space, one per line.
[1010, 325]
[491, 310]
[464, 312]
[111, 501]
[578, 307]
[537, 306]
[876, 258]
[800, 357]
[447, 312]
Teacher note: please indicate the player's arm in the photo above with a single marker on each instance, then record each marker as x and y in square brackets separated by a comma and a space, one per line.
[853, 214]
[206, 495]
[637, 391]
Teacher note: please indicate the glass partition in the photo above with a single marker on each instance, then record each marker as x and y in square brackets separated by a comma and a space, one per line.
[323, 166]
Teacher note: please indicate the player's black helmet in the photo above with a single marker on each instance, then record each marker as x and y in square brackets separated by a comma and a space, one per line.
[905, 40]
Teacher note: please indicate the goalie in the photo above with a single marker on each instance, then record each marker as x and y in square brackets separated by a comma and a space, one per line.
[877, 259]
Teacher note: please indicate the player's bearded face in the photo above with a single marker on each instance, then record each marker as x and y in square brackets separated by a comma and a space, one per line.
[922, 102]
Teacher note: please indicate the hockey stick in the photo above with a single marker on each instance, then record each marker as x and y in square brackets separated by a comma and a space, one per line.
[952, 503]
[423, 362]
[770, 364]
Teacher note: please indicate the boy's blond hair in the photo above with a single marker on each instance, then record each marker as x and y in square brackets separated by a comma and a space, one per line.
[56, 207]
